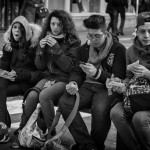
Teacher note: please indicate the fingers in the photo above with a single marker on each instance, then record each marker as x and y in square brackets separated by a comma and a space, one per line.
[71, 88]
[8, 47]
[43, 42]
[51, 41]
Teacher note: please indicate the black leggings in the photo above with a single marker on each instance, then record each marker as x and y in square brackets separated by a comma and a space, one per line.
[7, 89]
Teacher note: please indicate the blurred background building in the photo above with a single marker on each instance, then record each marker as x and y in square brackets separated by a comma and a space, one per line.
[9, 9]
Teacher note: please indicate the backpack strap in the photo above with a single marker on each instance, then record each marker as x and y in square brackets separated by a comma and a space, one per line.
[66, 124]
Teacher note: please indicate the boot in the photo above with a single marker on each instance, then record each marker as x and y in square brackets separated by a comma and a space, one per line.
[121, 32]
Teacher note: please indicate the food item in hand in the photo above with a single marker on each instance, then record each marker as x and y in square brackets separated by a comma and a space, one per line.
[133, 64]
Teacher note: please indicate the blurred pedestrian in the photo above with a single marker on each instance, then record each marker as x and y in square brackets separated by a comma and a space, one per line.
[119, 7]
[79, 3]
[143, 6]
[29, 9]
[109, 10]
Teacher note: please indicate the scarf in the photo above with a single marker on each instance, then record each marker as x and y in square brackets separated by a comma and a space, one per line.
[97, 55]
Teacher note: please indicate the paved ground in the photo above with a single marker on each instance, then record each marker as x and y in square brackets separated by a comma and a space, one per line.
[14, 105]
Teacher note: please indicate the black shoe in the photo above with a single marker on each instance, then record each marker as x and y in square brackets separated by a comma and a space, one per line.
[121, 32]
[75, 147]
[50, 135]
[16, 144]
[82, 147]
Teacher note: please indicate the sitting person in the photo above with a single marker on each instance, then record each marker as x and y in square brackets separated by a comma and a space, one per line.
[18, 59]
[56, 56]
[132, 117]
[101, 56]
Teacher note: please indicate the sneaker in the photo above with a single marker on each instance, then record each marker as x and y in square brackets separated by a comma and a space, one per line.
[4, 133]
[16, 144]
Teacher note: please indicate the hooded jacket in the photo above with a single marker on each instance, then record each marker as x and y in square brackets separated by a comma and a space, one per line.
[21, 58]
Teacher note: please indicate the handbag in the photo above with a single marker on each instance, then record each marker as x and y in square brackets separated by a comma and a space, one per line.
[42, 12]
[137, 95]
[31, 135]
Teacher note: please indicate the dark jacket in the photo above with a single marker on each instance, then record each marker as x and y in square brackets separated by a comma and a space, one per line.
[29, 5]
[114, 63]
[109, 7]
[25, 68]
[59, 60]
[21, 59]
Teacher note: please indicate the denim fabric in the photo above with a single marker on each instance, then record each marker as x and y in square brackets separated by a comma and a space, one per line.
[7, 89]
[141, 123]
[30, 103]
[120, 120]
[48, 97]
[92, 96]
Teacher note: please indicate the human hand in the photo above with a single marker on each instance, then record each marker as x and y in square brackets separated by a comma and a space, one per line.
[89, 69]
[8, 47]
[48, 84]
[36, 5]
[114, 84]
[130, 66]
[72, 88]
[50, 41]
[43, 42]
[140, 70]
[117, 86]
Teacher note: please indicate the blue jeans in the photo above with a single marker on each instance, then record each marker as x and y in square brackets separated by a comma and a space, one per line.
[31, 102]
[92, 96]
[138, 131]
[48, 98]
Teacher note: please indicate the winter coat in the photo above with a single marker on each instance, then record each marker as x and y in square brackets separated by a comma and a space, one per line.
[22, 62]
[59, 60]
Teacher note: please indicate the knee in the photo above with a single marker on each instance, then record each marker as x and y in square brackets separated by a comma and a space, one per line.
[116, 115]
[140, 118]
[32, 95]
[43, 97]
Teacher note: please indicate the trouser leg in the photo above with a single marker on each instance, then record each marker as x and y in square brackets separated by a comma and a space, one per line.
[141, 122]
[119, 119]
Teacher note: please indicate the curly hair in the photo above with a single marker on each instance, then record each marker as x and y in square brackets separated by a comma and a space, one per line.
[95, 22]
[66, 20]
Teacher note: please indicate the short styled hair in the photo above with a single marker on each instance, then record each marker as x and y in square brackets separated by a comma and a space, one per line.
[95, 22]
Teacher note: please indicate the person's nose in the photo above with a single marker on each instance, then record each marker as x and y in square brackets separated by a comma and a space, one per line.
[147, 34]
[17, 29]
[56, 26]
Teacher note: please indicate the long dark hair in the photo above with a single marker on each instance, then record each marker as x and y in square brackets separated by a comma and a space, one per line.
[22, 43]
[66, 20]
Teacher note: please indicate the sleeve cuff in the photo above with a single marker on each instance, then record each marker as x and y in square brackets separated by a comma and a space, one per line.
[98, 75]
